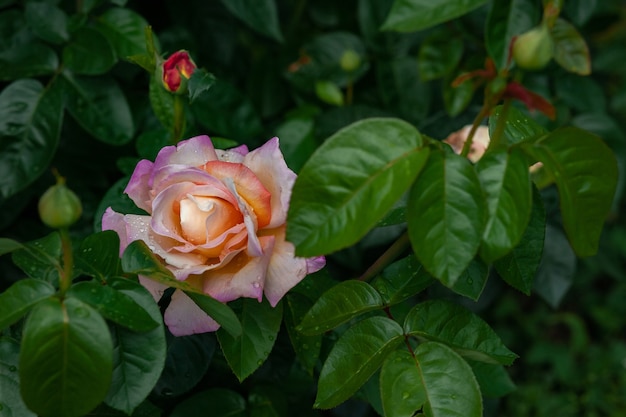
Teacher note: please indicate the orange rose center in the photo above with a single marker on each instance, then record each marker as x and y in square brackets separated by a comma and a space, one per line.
[203, 219]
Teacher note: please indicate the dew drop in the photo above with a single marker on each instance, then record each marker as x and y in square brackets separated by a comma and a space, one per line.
[260, 362]
[405, 395]
[167, 392]
[12, 368]
[453, 396]
[470, 281]
[270, 338]
[256, 285]
[316, 328]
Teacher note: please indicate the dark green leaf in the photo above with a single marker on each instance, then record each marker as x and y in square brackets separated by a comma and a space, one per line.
[113, 305]
[570, 49]
[139, 259]
[99, 255]
[221, 403]
[456, 99]
[401, 385]
[412, 15]
[472, 281]
[100, 107]
[66, 358]
[125, 30]
[20, 297]
[338, 305]
[138, 358]
[460, 329]
[267, 401]
[329, 93]
[260, 15]
[355, 357]
[199, 83]
[581, 93]
[494, 381]
[307, 348]
[580, 10]
[260, 324]
[439, 54]
[150, 142]
[297, 141]
[30, 60]
[506, 19]
[585, 172]
[12, 403]
[401, 87]
[89, 53]
[401, 280]
[518, 268]
[446, 216]
[518, 126]
[30, 125]
[506, 182]
[40, 259]
[9, 245]
[47, 21]
[118, 201]
[350, 182]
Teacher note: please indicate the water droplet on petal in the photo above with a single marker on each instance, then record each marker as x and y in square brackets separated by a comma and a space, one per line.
[256, 285]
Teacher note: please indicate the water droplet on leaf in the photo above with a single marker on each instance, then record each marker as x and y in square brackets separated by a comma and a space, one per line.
[405, 395]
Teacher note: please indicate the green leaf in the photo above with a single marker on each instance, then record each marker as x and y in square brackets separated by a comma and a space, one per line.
[446, 216]
[307, 348]
[199, 83]
[456, 99]
[439, 54]
[519, 267]
[9, 245]
[410, 383]
[12, 403]
[297, 141]
[20, 297]
[30, 126]
[125, 30]
[413, 15]
[329, 93]
[40, 259]
[355, 357]
[460, 329]
[260, 15]
[494, 381]
[472, 281]
[570, 49]
[585, 171]
[506, 182]
[338, 305]
[99, 255]
[100, 107]
[402, 90]
[29, 60]
[138, 358]
[260, 323]
[89, 53]
[66, 359]
[401, 280]
[113, 305]
[162, 102]
[47, 21]
[221, 403]
[350, 182]
[506, 19]
[267, 401]
[518, 126]
[139, 259]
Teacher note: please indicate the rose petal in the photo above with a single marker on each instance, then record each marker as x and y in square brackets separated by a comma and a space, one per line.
[233, 154]
[112, 220]
[315, 264]
[268, 164]
[155, 288]
[175, 174]
[137, 188]
[183, 317]
[254, 247]
[194, 152]
[243, 276]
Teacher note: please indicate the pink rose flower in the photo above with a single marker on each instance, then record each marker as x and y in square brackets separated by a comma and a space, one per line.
[480, 143]
[217, 219]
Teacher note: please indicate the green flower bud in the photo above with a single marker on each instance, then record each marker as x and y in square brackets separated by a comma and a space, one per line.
[350, 60]
[328, 92]
[534, 49]
[59, 206]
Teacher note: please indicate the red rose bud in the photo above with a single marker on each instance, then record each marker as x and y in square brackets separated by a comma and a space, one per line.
[59, 206]
[177, 69]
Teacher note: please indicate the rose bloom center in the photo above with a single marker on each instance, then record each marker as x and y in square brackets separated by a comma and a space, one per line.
[203, 219]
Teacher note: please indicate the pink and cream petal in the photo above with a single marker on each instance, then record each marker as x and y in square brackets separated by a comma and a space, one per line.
[112, 220]
[137, 188]
[284, 271]
[183, 317]
[155, 288]
[194, 152]
[315, 264]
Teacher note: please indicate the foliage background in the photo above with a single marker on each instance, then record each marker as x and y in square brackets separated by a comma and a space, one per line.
[569, 334]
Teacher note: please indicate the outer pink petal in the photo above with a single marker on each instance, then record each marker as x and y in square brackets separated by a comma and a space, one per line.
[243, 276]
[183, 317]
[315, 264]
[138, 189]
[155, 288]
[193, 152]
[112, 220]
[268, 164]
[284, 271]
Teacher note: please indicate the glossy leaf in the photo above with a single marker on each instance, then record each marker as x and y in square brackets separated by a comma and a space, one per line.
[221, 403]
[99, 255]
[9, 245]
[260, 15]
[506, 19]
[307, 348]
[199, 83]
[30, 126]
[472, 281]
[439, 54]
[401, 386]
[412, 15]
[100, 107]
[460, 329]
[570, 49]
[402, 89]
[139, 259]
[401, 280]
[585, 172]
[66, 358]
[456, 99]
[125, 30]
[297, 141]
[494, 380]
[248, 351]
[30, 60]
[350, 182]
[506, 182]
[355, 357]
[113, 305]
[12, 403]
[519, 267]
[89, 53]
[518, 126]
[446, 216]
[47, 21]
[40, 259]
[20, 297]
[138, 358]
[339, 304]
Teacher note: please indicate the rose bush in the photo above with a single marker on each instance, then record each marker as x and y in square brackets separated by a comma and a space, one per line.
[217, 219]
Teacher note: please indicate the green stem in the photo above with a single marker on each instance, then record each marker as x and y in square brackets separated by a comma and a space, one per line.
[498, 134]
[388, 257]
[68, 262]
[179, 119]
[484, 112]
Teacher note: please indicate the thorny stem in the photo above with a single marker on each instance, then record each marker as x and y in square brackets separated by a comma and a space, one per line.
[386, 258]
[68, 262]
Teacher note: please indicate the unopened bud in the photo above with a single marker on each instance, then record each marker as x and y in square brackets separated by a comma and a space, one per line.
[534, 49]
[59, 206]
[350, 60]
[176, 71]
